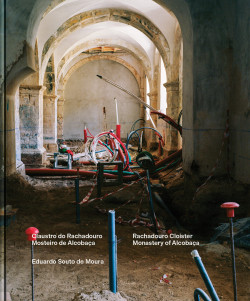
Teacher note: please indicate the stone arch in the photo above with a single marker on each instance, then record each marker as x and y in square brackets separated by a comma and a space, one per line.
[22, 69]
[25, 66]
[140, 56]
[179, 8]
[116, 15]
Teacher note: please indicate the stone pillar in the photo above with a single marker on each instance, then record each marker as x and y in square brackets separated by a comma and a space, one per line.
[31, 125]
[142, 96]
[153, 96]
[60, 116]
[173, 110]
[20, 167]
[151, 138]
[10, 162]
[50, 122]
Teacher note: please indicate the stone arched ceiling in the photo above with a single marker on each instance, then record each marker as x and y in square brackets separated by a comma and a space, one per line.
[107, 22]
[102, 37]
[43, 18]
[72, 56]
[105, 31]
[68, 8]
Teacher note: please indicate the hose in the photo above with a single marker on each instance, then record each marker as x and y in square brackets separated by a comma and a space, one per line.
[200, 293]
[204, 276]
[113, 171]
[97, 141]
[167, 166]
[169, 120]
[133, 125]
[149, 128]
[91, 174]
[116, 148]
[179, 118]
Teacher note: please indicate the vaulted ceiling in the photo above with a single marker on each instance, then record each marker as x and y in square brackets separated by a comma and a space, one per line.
[141, 27]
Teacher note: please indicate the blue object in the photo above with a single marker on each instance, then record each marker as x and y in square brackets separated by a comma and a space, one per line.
[135, 132]
[200, 293]
[205, 278]
[78, 216]
[112, 253]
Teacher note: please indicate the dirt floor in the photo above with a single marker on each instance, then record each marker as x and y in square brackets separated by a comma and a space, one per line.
[140, 268]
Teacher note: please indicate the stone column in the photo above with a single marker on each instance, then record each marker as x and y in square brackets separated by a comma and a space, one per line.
[142, 96]
[173, 110]
[151, 138]
[50, 122]
[20, 167]
[60, 116]
[31, 125]
[153, 96]
[10, 159]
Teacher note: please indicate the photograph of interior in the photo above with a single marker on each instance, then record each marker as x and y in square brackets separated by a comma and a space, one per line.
[125, 150]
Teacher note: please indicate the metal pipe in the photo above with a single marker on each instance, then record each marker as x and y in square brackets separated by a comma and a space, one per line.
[131, 94]
[204, 275]
[32, 271]
[116, 110]
[233, 258]
[31, 236]
[112, 252]
[126, 91]
[230, 206]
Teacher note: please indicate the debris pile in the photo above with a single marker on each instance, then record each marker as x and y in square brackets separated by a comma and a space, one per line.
[241, 236]
[104, 295]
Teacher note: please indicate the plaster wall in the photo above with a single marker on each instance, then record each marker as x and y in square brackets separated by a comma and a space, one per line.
[239, 122]
[17, 17]
[86, 96]
[203, 134]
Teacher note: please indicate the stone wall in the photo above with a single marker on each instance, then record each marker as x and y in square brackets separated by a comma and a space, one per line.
[90, 101]
[239, 110]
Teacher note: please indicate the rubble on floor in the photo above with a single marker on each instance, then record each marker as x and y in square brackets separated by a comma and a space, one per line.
[241, 233]
[104, 295]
